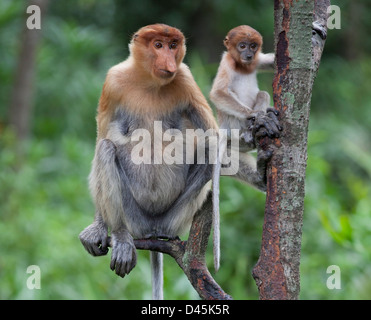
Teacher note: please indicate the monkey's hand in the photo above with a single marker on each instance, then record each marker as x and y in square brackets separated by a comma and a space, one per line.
[95, 238]
[124, 254]
[265, 124]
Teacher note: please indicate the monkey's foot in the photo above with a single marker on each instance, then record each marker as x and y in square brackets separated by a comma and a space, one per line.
[124, 253]
[261, 173]
[247, 142]
[95, 240]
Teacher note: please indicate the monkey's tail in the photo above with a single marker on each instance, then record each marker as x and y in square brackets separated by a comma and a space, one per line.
[216, 220]
[216, 212]
[157, 275]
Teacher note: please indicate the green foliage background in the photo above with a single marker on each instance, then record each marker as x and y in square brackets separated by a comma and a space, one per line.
[44, 199]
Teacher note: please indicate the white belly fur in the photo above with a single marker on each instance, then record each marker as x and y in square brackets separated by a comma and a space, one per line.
[245, 87]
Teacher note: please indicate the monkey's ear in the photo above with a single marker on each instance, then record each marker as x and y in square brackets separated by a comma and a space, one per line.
[226, 42]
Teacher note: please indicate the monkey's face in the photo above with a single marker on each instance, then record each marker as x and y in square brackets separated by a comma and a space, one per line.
[160, 49]
[165, 56]
[243, 43]
[247, 50]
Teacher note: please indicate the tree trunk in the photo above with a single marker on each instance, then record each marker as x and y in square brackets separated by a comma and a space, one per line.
[298, 52]
[21, 101]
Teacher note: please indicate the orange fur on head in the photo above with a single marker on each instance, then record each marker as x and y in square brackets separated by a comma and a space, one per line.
[152, 81]
[240, 34]
[158, 49]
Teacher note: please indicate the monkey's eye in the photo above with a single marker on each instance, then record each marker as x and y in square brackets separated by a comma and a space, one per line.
[173, 45]
[253, 46]
[242, 45]
[158, 45]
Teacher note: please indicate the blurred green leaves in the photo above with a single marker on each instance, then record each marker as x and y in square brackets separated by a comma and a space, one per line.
[45, 201]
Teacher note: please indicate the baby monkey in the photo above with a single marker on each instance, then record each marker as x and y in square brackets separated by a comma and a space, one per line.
[241, 105]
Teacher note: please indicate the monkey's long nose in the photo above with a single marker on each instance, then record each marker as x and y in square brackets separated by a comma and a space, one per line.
[169, 69]
[167, 72]
[171, 66]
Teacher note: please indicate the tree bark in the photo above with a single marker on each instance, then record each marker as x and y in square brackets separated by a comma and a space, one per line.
[20, 109]
[298, 52]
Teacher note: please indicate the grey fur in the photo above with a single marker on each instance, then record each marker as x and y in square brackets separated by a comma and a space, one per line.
[142, 200]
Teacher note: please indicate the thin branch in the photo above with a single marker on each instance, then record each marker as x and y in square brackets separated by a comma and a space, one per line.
[190, 255]
[193, 260]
